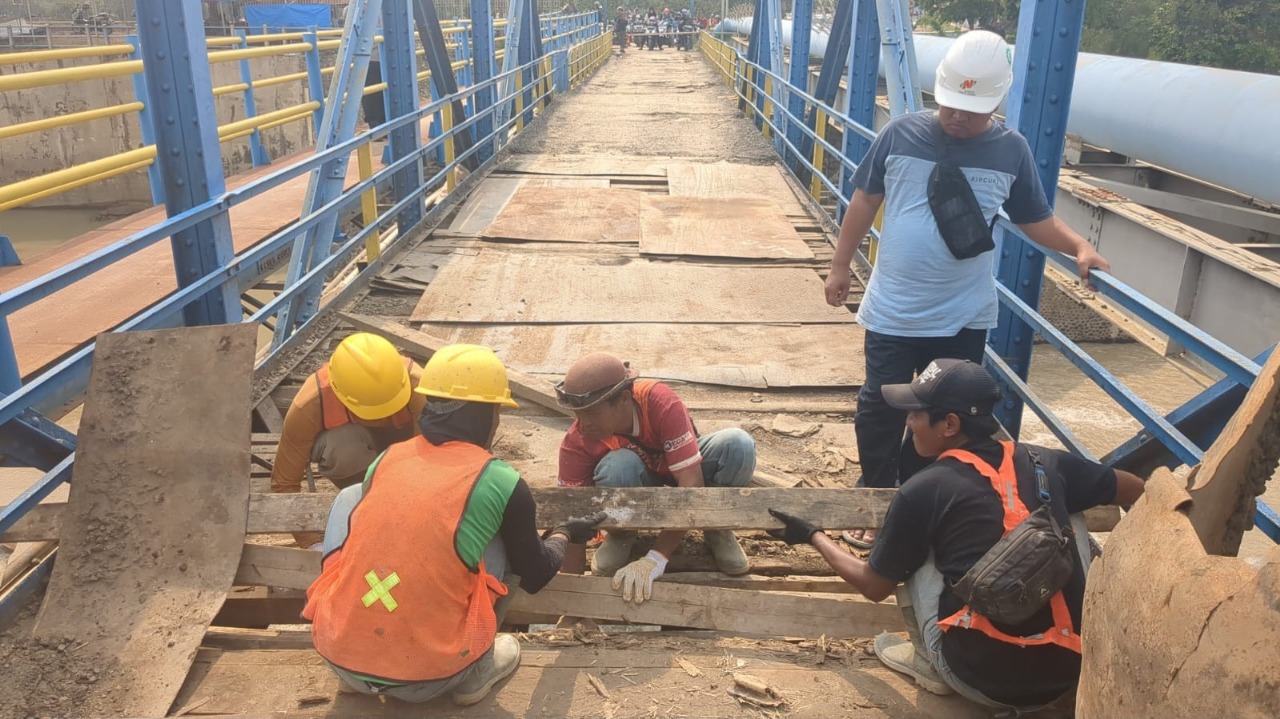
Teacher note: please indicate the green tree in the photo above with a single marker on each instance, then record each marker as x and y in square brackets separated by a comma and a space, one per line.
[998, 16]
[1119, 27]
[1233, 34]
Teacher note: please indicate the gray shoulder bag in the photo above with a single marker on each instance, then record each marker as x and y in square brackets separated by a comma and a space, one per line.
[1020, 574]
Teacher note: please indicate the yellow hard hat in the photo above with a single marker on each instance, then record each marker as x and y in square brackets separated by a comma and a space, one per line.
[369, 376]
[471, 373]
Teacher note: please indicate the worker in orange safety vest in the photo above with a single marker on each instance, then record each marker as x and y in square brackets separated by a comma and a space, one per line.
[417, 557]
[946, 518]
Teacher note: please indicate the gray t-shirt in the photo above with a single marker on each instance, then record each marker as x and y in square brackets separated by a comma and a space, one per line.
[918, 289]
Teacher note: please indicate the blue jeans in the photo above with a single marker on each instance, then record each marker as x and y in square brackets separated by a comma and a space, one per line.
[335, 534]
[922, 591]
[728, 460]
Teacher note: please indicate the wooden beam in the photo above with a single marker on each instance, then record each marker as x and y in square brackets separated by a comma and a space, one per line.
[283, 567]
[423, 345]
[633, 508]
[269, 413]
[700, 607]
[744, 611]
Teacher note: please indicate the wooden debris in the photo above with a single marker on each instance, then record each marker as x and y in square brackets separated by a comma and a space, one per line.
[749, 689]
[789, 426]
[688, 667]
[598, 686]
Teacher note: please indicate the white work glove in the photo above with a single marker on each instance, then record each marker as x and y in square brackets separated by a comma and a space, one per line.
[636, 579]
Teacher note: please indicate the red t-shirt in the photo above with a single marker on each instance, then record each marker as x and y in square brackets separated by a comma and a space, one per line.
[666, 440]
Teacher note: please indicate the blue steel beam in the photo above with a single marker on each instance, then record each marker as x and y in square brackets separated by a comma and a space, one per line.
[1201, 419]
[32, 440]
[342, 107]
[57, 388]
[531, 48]
[1039, 101]
[187, 149]
[1235, 365]
[860, 97]
[257, 152]
[315, 81]
[1005, 374]
[443, 82]
[833, 60]
[772, 60]
[481, 32]
[832, 68]
[1177, 442]
[399, 64]
[145, 122]
[801, 25]
[512, 50]
[898, 48]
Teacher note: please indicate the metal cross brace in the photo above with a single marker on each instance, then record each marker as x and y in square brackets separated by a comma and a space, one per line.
[342, 107]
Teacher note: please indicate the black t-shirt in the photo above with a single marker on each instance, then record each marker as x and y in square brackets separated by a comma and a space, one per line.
[950, 509]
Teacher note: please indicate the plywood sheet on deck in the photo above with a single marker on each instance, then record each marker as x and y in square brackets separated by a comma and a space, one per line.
[607, 165]
[512, 288]
[755, 356]
[558, 214]
[711, 227]
[487, 200]
[725, 180]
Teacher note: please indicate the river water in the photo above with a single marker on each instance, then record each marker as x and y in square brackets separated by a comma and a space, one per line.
[37, 231]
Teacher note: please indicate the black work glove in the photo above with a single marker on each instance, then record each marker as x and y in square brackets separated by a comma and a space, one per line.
[580, 530]
[797, 531]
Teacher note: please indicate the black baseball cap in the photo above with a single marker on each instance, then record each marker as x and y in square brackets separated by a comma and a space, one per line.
[954, 385]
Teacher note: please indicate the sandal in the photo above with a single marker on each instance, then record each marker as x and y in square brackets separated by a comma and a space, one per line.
[856, 538]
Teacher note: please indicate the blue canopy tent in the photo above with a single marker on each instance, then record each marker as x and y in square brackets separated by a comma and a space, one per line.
[279, 18]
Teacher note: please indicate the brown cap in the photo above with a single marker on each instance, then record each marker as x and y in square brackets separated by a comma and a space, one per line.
[593, 378]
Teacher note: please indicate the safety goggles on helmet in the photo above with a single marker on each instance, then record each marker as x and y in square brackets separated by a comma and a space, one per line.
[585, 400]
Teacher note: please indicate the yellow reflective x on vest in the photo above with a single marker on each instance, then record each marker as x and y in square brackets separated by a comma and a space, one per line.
[381, 589]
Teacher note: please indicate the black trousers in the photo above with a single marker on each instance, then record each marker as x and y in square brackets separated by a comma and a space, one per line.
[887, 458]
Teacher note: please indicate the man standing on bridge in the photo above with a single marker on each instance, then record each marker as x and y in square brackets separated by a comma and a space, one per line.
[634, 432]
[942, 528]
[345, 414]
[928, 298]
[419, 556]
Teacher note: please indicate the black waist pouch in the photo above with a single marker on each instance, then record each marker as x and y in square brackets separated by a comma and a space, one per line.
[955, 208]
[1020, 574]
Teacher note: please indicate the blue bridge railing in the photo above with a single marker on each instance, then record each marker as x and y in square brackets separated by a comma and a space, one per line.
[789, 115]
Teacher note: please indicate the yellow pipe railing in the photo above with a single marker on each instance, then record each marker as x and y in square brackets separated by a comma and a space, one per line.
[105, 175]
[368, 201]
[249, 124]
[35, 56]
[819, 155]
[228, 89]
[63, 75]
[56, 121]
[451, 177]
[248, 53]
[24, 191]
[31, 190]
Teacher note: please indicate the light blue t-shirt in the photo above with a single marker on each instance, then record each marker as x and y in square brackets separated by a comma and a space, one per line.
[918, 289]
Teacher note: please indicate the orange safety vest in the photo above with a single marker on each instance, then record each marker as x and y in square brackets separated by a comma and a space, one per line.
[395, 602]
[640, 390]
[334, 413]
[1005, 482]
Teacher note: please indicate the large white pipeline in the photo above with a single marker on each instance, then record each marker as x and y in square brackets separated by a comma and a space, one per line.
[1221, 126]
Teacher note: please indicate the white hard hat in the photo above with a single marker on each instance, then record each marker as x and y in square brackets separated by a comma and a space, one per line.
[975, 74]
